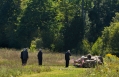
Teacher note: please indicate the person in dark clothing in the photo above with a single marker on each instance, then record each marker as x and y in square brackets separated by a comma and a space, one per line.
[67, 58]
[40, 56]
[24, 56]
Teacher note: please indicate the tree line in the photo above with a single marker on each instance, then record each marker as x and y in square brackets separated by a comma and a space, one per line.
[83, 26]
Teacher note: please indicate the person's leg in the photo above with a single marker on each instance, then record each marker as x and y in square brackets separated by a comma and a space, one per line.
[67, 63]
[25, 61]
[40, 62]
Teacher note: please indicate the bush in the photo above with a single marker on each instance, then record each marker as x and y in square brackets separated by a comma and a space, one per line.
[36, 44]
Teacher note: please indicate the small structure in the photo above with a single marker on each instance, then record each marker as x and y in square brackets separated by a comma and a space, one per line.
[88, 61]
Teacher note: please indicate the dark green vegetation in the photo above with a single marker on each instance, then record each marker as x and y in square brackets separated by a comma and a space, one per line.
[83, 26]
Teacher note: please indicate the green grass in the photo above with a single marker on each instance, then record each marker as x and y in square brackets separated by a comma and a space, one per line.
[10, 63]
[59, 71]
[53, 66]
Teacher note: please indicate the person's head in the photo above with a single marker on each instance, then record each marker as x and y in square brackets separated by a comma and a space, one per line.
[69, 51]
[40, 49]
[24, 49]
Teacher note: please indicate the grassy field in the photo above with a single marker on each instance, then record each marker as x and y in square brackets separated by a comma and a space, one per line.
[53, 66]
[58, 71]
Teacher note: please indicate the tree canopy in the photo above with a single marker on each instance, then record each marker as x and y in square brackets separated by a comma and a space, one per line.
[83, 26]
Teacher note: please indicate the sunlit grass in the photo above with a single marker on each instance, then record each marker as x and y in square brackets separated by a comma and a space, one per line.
[53, 66]
[10, 62]
[60, 71]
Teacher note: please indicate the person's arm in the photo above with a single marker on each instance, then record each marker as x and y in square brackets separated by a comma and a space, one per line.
[21, 56]
[41, 54]
[27, 55]
[69, 54]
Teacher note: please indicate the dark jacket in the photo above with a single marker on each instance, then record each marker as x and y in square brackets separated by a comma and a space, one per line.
[24, 54]
[67, 56]
[40, 55]
[21, 55]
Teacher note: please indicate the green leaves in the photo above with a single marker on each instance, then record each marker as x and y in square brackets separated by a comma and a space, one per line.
[109, 38]
[97, 47]
[61, 24]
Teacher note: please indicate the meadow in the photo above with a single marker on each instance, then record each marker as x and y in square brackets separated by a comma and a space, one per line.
[53, 66]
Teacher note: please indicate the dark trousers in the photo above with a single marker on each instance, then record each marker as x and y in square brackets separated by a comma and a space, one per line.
[67, 63]
[24, 61]
[40, 62]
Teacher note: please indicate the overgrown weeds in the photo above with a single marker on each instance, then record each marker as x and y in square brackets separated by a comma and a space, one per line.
[10, 65]
[109, 69]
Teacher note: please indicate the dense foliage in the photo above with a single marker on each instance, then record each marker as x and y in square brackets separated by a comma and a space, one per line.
[108, 42]
[60, 25]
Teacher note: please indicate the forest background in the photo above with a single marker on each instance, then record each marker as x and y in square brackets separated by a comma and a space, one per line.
[83, 26]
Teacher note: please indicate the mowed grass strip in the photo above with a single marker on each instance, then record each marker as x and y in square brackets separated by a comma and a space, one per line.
[59, 71]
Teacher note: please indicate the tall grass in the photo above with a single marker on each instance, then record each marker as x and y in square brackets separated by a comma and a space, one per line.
[10, 62]
[109, 69]
[53, 66]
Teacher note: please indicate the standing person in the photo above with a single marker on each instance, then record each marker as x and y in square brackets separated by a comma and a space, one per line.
[67, 58]
[24, 56]
[40, 56]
